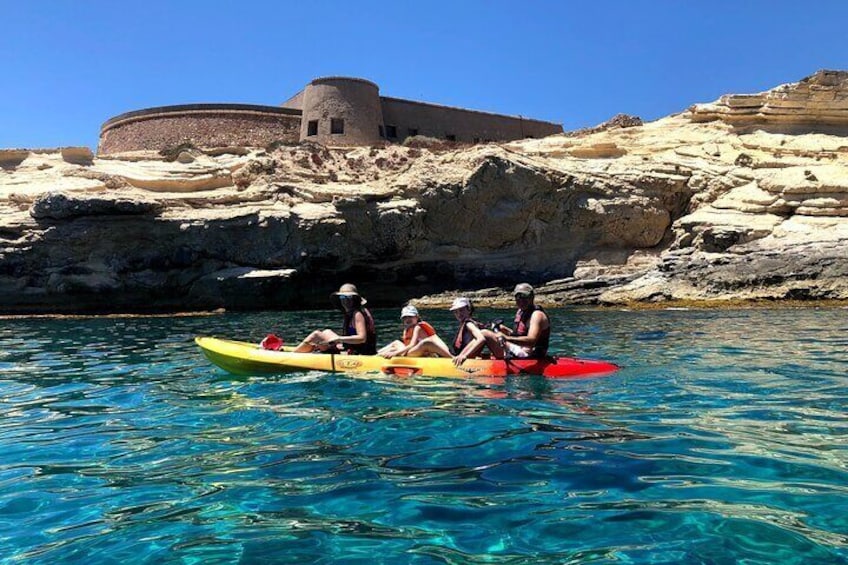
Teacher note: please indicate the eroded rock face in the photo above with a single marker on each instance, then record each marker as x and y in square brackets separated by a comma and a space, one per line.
[62, 206]
[818, 103]
[680, 208]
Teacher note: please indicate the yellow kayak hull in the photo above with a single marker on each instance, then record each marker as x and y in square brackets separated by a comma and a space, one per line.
[243, 358]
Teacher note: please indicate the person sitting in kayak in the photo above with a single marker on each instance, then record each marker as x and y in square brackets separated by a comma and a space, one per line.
[414, 330]
[469, 339]
[531, 333]
[359, 334]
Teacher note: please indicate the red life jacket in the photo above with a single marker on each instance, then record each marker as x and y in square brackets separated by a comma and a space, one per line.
[407, 332]
[464, 335]
[349, 328]
[522, 328]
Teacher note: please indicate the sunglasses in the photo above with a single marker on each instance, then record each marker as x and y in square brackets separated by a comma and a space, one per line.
[523, 295]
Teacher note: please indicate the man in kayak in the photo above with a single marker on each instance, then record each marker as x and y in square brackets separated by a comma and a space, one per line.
[530, 334]
[359, 334]
[414, 330]
[469, 340]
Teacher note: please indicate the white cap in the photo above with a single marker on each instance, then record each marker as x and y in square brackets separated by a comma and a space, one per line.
[409, 310]
[523, 288]
[460, 302]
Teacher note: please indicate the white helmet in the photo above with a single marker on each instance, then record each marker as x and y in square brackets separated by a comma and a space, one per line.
[409, 310]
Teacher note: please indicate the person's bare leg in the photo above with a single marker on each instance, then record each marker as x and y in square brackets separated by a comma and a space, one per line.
[391, 349]
[432, 345]
[316, 340]
[493, 342]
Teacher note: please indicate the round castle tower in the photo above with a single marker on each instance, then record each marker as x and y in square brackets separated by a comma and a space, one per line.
[341, 111]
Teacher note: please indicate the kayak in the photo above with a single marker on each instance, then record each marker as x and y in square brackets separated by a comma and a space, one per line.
[243, 358]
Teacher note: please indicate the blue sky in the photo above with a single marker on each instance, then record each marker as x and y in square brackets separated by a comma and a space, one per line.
[69, 66]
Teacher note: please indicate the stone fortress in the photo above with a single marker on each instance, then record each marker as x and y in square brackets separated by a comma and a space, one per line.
[335, 111]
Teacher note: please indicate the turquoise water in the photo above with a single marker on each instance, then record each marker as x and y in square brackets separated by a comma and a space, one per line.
[723, 439]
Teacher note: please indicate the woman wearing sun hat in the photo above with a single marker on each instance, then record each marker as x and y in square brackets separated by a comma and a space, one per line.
[414, 330]
[359, 334]
[469, 339]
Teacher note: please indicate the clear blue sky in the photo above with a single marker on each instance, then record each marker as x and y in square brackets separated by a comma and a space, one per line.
[70, 65]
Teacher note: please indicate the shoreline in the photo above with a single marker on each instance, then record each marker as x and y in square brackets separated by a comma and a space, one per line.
[677, 305]
[737, 304]
[116, 315]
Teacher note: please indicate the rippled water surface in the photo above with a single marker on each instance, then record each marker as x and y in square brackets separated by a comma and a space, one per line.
[723, 439]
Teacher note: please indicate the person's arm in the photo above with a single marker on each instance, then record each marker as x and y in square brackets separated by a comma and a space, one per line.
[361, 335]
[537, 322]
[473, 346]
[417, 335]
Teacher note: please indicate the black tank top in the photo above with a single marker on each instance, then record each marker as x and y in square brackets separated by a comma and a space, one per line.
[349, 328]
[464, 335]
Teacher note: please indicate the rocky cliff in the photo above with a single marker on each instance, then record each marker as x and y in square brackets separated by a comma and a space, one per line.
[744, 198]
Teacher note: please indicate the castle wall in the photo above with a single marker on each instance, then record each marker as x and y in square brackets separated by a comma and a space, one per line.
[407, 117]
[329, 110]
[295, 102]
[202, 125]
[352, 104]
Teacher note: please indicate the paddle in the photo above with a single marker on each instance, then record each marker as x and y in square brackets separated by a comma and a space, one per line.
[508, 356]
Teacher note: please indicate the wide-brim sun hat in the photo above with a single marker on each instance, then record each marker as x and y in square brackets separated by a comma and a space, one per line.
[523, 288]
[347, 289]
[409, 310]
[460, 302]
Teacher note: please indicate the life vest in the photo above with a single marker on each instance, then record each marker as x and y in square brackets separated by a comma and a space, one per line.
[522, 328]
[464, 335]
[349, 328]
[407, 332]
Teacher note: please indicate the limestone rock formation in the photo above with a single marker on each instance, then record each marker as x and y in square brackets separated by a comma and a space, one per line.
[818, 103]
[699, 205]
[617, 121]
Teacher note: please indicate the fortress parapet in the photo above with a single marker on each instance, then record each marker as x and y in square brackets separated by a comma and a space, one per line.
[334, 111]
[202, 125]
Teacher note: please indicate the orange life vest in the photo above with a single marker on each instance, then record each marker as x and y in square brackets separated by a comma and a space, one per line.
[407, 332]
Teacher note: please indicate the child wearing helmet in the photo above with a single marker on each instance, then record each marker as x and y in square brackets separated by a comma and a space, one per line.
[414, 331]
